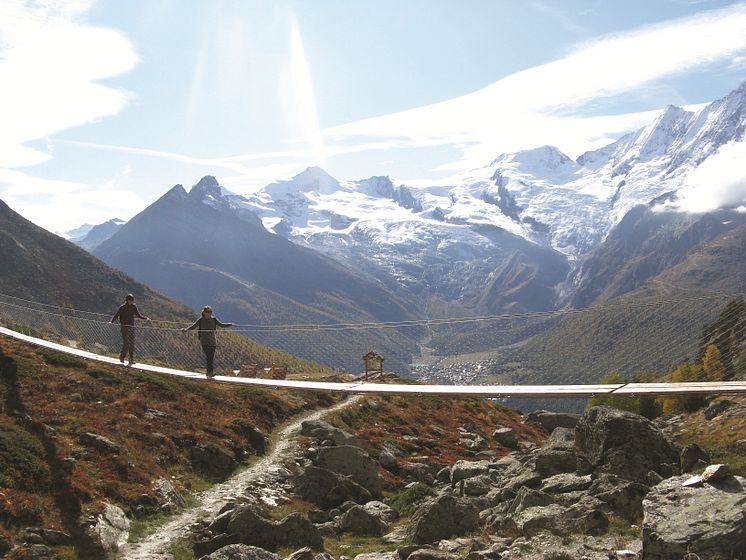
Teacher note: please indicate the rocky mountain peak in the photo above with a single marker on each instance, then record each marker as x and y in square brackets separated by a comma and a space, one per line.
[207, 186]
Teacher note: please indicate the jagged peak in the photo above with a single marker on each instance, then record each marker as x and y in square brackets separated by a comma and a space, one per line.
[177, 191]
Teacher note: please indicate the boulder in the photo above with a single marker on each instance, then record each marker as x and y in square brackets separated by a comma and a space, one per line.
[323, 431]
[432, 554]
[165, 497]
[461, 470]
[388, 461]
[551, 420]
[383, 511]
[358, 521]
[378, 556]
[623, 497]
[244, 524]
[527, 498]
[327, 489]
[99, 442]
[478, 485]
[707, 520]
[505, 437]
[213, 462]
[443, 517]
[693, 458]
[565, 482]
[241, 552]
[625, 444]
[304, 553]
[552, 460]
[353, 462]
[717, 408]
[110, 529]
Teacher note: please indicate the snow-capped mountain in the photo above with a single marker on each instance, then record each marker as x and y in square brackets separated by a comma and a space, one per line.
[91, 237]
[511, 235]
[450, 240]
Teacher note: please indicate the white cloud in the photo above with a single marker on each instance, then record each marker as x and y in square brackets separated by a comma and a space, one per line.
[719, 182]
[62, 203]
[531, 107]
[49, 66]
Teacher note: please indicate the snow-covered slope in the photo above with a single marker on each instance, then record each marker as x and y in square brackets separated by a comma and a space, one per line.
[453, 240]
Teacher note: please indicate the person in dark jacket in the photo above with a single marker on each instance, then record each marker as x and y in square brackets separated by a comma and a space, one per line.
[126, 315]
[206, 327]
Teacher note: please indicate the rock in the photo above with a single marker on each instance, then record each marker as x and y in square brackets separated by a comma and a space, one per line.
[709, 520]
[361, 522]
[47, 536]
[714, 473]
[327, 489]
[551, 461]
[110, 528]
[717, 408]
[551, 420]
[461, 470]
[476, 444]
[253, 435]
[443, 517]
[494, 552]
[419, 472]
[584, 517]
[304, 553]
[388, 461]
[432, 554]
[528, 498]
[212, 462]
[240, 552]
[623, 497]
[625, 444]
[378, 556]
[322, 431]
[353, 462]
[244, 524]
[478, 485]
[33, 552]
[506, 437]
[384, 512]
[693, 458]
[565, 482]
[98, 442]
[166, 497]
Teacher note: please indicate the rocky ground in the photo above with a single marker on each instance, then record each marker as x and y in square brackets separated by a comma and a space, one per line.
[609, 484]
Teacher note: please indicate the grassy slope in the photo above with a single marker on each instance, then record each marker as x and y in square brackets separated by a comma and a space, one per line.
[47, 400]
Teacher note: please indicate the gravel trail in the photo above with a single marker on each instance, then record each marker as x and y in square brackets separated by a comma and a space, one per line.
[262, 477]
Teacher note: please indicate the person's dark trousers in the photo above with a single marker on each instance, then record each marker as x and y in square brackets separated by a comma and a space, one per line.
[128, 343]
[210, 357]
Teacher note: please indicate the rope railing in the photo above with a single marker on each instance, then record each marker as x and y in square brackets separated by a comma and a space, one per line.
[506, 348]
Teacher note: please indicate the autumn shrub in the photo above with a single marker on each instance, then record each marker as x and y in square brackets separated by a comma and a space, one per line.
[54, 358]
[407, 501]
[22, 460]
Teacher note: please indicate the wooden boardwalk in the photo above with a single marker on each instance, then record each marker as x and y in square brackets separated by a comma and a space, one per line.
[454, 391]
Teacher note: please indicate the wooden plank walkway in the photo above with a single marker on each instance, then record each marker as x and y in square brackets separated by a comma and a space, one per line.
[454, 391]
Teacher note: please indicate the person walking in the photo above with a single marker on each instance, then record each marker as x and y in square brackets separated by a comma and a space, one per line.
[126, 315]
[206, 327]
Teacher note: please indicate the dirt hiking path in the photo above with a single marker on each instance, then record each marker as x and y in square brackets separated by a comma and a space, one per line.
[263, 477]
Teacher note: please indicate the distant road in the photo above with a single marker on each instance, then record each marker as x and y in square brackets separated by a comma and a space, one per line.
[455, 391]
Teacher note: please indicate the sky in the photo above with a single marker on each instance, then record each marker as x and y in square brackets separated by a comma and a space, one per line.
[105, 105]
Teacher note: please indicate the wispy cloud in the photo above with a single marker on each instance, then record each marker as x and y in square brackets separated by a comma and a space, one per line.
[549, 103]
[53, 62]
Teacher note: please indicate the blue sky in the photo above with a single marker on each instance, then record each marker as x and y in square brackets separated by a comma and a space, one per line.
[106, 105]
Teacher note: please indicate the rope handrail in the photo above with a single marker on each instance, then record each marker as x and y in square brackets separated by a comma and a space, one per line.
[454, 391]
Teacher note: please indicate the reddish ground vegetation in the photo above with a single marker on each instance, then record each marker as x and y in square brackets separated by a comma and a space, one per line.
[427, 428]
[52, 477]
